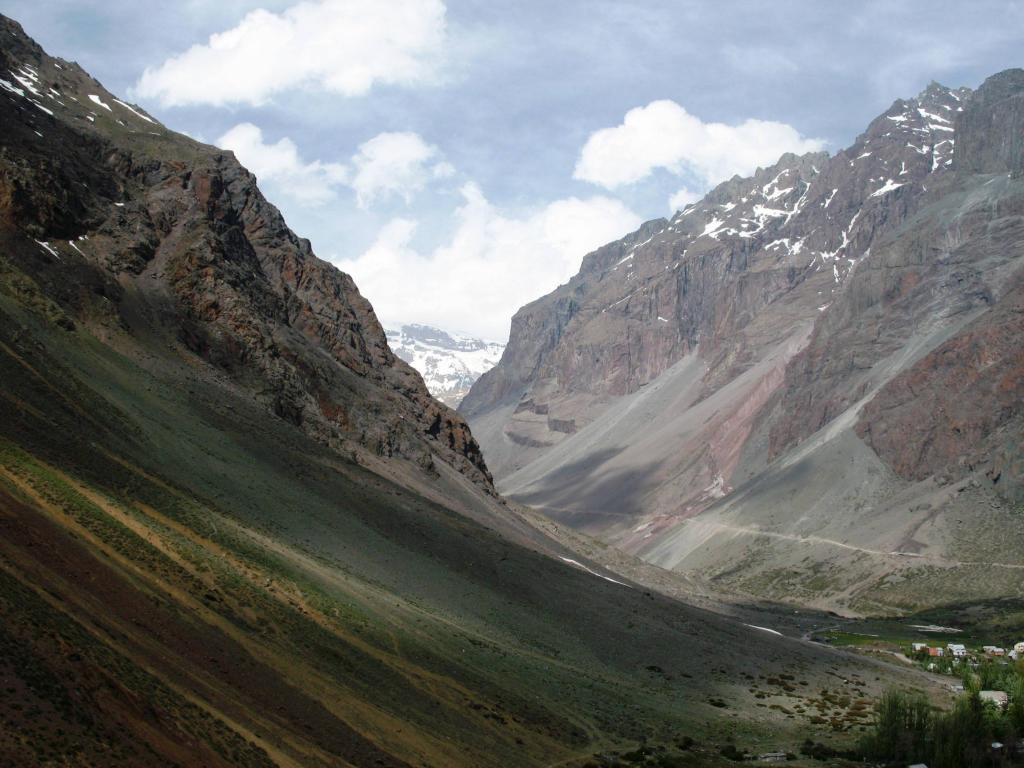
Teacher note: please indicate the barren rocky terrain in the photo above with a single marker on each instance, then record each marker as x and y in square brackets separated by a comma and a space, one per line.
[807, 386]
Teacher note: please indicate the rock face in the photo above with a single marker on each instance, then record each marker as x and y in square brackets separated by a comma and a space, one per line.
[753, 264]
[992, 128]
[959, 407]
[871, 295]
[959, 259]
[125, 224]
[449, 362]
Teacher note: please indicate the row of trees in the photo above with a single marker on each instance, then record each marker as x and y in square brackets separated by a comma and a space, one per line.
[909, 730]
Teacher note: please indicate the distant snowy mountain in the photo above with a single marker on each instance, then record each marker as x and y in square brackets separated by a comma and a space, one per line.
[448, 362]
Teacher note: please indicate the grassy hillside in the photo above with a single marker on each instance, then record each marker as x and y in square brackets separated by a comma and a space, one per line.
[183, 573]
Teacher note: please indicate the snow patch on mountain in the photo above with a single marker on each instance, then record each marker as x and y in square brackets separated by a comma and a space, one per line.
[448, 362]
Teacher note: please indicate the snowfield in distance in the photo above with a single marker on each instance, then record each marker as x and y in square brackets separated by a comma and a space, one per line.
[448, 362]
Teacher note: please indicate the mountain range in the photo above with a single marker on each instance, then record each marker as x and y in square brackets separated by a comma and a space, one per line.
[806, 387]
[448, 362]
[237, 530]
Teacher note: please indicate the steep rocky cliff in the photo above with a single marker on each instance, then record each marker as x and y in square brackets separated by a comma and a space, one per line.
[689, 361]
[753, 263]
[956, 265]
[132, 228]
[959, 409]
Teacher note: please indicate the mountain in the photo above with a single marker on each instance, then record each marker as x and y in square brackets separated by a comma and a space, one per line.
[448, 362]
[180, 234]
[805, 387]
[237, 530]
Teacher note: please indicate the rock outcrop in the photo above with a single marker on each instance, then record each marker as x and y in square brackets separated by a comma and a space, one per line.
[126, 225]
[960, 408]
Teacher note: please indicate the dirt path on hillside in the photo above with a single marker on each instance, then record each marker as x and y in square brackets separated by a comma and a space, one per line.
[842, 545]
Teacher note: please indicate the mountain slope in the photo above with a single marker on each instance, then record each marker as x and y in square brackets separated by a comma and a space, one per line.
[238, 531]
[657, 399]
[449, 363]
[193, 244]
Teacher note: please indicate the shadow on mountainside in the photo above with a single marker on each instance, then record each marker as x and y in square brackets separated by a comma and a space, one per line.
[570, 492]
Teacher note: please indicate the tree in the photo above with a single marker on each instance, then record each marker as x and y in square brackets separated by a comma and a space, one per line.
[902, 726]
[1015, 711]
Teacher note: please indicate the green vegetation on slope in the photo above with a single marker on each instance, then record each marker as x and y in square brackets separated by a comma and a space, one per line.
[309, 611]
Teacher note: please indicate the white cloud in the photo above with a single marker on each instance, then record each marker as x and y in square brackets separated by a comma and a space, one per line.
[279, 164]
[492, 264]
[389, 164]
[680, 199]
[664, 135]
[395, 164]
[341, 46]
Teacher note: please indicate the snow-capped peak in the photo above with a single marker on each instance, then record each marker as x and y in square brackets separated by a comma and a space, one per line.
[448, 362]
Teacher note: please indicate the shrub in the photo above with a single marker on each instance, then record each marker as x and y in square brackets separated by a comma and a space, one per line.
[730, 752]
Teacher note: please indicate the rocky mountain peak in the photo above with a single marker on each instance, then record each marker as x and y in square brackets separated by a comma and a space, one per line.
[450, 363]
[992, 126]
[802, 216]
[133, 229]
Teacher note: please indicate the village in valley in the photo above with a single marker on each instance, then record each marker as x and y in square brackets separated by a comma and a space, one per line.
[959, 651]
[963, 652]
[956, 658]
[977, 652]
[955, 653]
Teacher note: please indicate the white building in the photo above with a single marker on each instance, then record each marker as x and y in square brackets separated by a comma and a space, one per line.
[959, 651]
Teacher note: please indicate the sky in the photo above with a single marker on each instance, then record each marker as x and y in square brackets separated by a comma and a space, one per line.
[459, 157]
